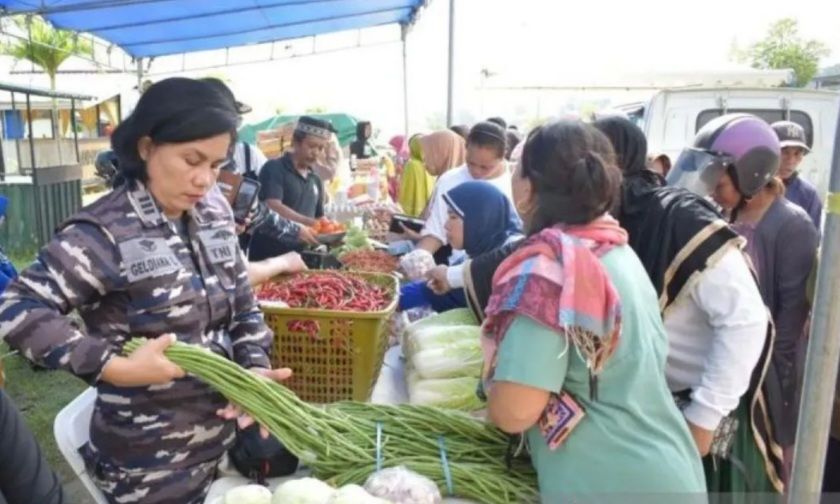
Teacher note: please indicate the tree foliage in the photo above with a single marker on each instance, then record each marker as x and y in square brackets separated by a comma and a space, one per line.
[46, 47]
[783, 47]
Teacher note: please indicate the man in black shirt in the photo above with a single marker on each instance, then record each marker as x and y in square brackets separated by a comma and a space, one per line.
[290, 187]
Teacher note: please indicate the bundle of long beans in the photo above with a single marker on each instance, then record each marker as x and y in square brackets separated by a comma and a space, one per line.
[346, 442]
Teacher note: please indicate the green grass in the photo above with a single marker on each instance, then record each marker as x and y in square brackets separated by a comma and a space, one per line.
[23, 259]
[40, 395]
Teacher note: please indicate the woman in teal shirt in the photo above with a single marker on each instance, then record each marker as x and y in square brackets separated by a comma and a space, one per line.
[573, 320]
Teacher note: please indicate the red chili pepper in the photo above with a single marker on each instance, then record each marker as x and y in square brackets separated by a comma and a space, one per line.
[327, 290]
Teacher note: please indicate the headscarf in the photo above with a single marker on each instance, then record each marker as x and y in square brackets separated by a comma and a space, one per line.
[556, 278]
[629, 143]
[400, 146]
[664, 222]
[488, 215]
[478, 276]
[677, 235]
[360, 147]
[417, 184]
[361, 131]
[442, 151]
[415, 148]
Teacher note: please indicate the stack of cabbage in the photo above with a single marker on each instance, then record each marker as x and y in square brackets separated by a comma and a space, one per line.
[444, 361]
[301, 491]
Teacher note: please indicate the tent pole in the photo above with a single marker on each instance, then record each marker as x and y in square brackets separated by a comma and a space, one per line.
[405, 78]
[451, 83]
[140, 75]
[823, 353]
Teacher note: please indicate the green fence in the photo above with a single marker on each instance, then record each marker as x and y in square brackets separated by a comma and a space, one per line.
[34, 212]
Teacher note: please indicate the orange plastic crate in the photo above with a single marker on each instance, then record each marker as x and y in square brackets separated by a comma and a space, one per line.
[343, 361]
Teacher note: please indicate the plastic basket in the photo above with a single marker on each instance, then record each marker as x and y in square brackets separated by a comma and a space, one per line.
[343, 361]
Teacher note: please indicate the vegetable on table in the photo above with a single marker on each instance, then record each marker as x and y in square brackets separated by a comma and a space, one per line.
[450, 361]
[328, 290]
[344, 443]
[303, 491]
[458, 317]
[248, 494]
[369, 260]
[465, 339]
[444, 363]
[355, 239]
[326, 226]
[450, 393]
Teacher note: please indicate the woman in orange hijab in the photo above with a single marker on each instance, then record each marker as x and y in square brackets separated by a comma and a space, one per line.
[432, 155]
[442, 151]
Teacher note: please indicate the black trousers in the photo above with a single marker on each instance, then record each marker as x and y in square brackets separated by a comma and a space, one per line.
[263, 246]
[25, 477]
[831, 478]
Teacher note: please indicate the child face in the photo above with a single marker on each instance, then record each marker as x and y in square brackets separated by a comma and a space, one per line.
[455, 231]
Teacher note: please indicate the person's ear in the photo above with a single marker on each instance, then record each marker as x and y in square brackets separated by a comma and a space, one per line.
[144, 148]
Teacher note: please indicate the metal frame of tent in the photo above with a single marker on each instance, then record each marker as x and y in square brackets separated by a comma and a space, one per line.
[145, 29]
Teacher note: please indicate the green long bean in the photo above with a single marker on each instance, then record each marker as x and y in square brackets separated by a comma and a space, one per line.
[338, 441]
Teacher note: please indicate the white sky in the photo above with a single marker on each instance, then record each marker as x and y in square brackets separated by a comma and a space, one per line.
[523, 41]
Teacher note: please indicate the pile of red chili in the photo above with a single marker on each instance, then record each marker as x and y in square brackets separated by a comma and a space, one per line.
[370, 260]
[327, 290]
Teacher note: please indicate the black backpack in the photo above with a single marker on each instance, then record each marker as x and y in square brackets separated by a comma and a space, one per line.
[257, 458]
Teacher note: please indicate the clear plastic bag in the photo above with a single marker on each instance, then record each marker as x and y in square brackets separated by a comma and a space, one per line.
[416, 264]
[402, 486]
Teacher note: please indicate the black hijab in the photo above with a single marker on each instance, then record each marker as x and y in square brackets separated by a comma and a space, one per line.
[360, 147]
[677, 235]
[663, 221]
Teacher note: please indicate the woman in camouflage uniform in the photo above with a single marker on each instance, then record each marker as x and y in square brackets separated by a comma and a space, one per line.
[155, 259]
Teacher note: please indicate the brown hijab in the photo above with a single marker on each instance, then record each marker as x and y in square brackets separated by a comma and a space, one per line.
[442, 150]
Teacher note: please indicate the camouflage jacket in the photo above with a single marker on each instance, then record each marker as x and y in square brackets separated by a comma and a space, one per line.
[129, 273]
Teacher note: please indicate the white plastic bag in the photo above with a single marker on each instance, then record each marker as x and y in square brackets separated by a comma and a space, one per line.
[402, 486]
[354, 494]
[416, 264]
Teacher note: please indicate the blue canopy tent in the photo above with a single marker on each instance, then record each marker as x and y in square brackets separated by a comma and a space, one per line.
[150, 28]
[146, 28]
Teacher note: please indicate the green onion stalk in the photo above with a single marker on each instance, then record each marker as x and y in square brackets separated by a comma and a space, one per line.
[339, 441]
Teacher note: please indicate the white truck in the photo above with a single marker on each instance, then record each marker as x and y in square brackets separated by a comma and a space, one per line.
[672, 117]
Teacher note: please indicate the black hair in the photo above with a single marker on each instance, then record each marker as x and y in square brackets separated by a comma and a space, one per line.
[499, 121]
[572, 169]
[461, 130]
[489, 135]
[513, 138]
[221, 88]
[171, 111]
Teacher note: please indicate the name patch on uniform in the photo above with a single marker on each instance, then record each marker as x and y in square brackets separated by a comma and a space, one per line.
[148, 258]
[220, 244]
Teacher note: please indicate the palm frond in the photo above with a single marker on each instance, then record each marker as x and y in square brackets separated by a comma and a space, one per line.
[46, 46]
